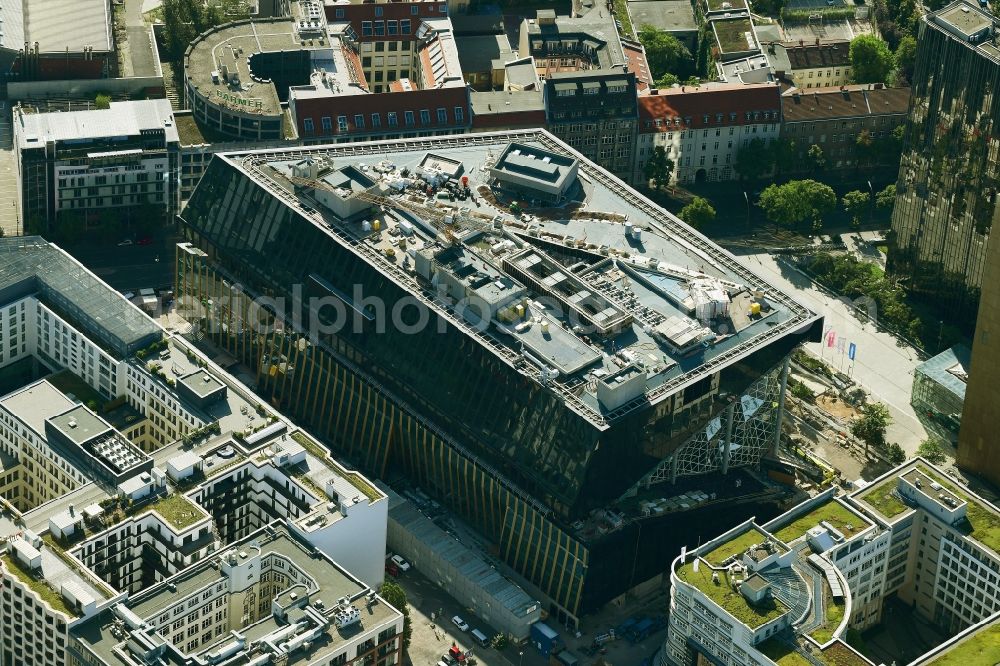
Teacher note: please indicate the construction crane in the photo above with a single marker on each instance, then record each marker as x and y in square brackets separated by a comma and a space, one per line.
[436, 217]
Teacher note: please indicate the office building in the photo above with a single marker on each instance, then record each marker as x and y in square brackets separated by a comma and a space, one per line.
[703, 128]
[589, 89]
[76, 166]
[834, 118]
[361, 70]
[554, 375]
[53, 40]
[787, 591]
[977, 451]
[152, 510]
[946, 192]
[938, 393]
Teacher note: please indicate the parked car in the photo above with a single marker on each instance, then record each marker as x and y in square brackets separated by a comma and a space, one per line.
[392, 569]
[145, 241]
[400, 562]
[127, 241]
[460, 623]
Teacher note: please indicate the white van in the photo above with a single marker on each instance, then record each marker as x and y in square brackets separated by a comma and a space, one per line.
[481, 637]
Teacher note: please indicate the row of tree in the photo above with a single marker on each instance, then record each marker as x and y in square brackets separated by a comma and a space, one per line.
[186, 19]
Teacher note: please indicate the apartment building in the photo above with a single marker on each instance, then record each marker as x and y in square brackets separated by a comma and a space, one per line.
[269, 598]
[835, 118]
[821, 64]
[751, 596]
[74, 166]
[703, 128]
[589, 89]
[101, 542]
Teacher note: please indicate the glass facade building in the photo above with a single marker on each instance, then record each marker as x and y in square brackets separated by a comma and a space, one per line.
[449, 411]
[946, 194]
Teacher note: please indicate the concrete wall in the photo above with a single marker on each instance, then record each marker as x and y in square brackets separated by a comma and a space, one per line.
[136, 86]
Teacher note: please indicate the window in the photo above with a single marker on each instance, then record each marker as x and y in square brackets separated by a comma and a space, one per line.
[366, 28]
[342, 123]
[425, 116]
[393, 122]
[459, 114]
[359, 121]
[404, 25]
[378, 11]
[326, 123]
[340, 13]
[442, 115]
[376, 120]
[408, 117]
[443, 8]
[380, 28]
[393, 27]
[307, 125]
[593, 90]
[616, 89]
[414, 10]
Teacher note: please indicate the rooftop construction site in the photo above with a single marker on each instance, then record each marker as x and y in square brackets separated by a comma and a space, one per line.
[554, 266]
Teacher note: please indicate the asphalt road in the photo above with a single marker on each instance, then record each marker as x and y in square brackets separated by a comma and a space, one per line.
[882, 364]
[139, 36]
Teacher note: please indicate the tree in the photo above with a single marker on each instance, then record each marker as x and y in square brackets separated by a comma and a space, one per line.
[871, 59]
[659, 168]
[895, 454]
[871, 425]
[865, 149]
[783, 154]
[698, 213]
[102, 101]
[932, 450]
[797, 201]
[396, 597]
[887, 197]
[753, 160]
[667, 81]
[183, 20]
[816, 156]
[906, 55]
[665, 53]
[855, 203]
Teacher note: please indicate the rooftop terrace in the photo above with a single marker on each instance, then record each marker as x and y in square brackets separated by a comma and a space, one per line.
[730, 600]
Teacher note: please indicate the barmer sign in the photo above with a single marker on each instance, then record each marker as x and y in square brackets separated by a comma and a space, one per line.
[239, 101]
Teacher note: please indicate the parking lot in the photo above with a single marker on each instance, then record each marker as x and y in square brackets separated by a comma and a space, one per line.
[432, 638]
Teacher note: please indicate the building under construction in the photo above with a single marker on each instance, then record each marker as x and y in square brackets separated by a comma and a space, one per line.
[499, 322]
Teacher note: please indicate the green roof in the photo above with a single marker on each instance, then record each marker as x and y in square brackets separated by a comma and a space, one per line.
[734, 546]
[881, 497]
[40, 587]
[831, 511]
[729, 599]
[981, 648]
[354, 478]
[984, 521]
[177, 510]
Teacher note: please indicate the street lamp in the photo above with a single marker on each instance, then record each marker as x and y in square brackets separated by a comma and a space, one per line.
[747, 199]
[520, 657]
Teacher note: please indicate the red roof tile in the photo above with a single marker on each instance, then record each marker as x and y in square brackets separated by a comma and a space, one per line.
[722, 105]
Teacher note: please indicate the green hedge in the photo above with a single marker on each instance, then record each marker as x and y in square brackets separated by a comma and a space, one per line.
[828, 13]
